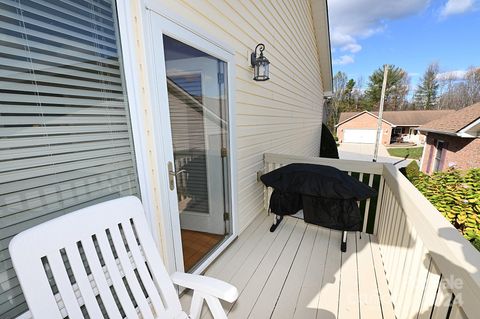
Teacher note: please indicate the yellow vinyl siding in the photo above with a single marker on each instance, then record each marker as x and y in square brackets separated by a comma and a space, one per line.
[281, 115]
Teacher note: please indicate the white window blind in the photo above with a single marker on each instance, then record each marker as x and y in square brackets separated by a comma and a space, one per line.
[65, 139]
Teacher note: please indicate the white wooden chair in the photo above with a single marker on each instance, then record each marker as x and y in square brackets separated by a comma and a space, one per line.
[103, 260]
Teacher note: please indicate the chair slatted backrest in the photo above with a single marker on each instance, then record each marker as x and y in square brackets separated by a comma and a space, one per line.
[96, 261]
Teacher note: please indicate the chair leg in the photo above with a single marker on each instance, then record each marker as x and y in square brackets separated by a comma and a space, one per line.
[196, 305]
[215, 308]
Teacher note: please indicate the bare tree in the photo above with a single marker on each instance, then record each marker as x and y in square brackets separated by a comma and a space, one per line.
[333, 109]
[358, 93]
[458, 93]
[472, 85]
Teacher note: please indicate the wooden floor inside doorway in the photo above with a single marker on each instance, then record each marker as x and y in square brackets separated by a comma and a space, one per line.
[196, 245]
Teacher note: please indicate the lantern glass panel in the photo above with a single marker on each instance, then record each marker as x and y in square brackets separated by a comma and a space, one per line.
[261, 71]
[266, 65]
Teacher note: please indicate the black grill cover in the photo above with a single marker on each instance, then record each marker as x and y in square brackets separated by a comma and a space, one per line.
[327, 195]
[317, 180]
[340, 214]
[285, 203]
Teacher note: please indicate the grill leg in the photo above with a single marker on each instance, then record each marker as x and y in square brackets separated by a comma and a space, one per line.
[343, 246]
[276, 221]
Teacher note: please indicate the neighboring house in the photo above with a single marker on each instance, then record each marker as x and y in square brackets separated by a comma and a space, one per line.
[153, 98]
[452, 141]
[361, 127]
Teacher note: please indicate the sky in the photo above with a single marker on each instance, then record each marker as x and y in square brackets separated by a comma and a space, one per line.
[411, 34]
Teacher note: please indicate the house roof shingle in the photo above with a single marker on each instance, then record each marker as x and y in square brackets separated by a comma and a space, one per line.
[403, 118]
[454, 122]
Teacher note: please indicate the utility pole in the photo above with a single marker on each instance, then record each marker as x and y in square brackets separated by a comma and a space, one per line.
[380, 112]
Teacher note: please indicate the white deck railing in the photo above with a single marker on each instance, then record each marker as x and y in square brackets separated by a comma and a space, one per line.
[432, 271]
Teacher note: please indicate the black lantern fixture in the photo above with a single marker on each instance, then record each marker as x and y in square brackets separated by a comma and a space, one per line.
[260, 64]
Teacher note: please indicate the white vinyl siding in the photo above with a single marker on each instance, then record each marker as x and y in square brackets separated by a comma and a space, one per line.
[282, 115]
[65, 139]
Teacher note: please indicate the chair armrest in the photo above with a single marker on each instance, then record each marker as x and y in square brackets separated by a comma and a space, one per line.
[207, 285]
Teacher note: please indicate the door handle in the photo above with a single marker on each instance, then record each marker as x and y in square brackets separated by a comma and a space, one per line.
[172, 174]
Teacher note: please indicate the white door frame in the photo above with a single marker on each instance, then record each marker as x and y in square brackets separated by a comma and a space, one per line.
[158, 22]
[130, 58]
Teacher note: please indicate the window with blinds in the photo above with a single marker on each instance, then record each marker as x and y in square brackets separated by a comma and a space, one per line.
[65, 139]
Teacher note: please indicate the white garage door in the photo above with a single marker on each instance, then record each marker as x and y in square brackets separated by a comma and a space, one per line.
[359, 136]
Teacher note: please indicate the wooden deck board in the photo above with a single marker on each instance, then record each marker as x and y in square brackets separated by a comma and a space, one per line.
[278, 276]
[254, 285]
[329, 294]
[370, 303]
[287, 300]
[299, 272]
[349, 301]
[307, 302]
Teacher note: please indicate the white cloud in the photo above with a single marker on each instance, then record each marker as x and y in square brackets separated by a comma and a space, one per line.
[456, 7]
[452, 75]
[351, 47]
[365, 17]
[344, 59]
[354, 20]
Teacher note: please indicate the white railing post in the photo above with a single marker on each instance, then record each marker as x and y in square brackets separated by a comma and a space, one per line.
[379, 204]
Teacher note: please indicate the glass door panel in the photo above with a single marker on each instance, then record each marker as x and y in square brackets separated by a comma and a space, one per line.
[198, 116]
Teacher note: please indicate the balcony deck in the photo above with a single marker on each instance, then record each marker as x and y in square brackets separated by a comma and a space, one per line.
[299, 272]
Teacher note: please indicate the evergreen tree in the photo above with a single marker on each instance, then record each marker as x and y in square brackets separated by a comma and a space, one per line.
[426, 95]
[396, 89]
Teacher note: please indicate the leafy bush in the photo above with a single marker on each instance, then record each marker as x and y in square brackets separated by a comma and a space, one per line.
[457, 196]
[412, 171]
[476, 243]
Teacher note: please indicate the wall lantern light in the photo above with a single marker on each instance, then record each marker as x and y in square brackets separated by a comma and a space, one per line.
[259, 64]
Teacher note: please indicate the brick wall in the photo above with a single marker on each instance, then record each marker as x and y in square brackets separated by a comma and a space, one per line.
[463, 153]
[365, 121]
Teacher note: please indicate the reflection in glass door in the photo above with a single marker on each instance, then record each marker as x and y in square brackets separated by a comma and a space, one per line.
[196, 83]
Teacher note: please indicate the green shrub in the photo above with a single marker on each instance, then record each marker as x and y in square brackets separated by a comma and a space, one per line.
[476, 243]
[412, 171]
[457, 196]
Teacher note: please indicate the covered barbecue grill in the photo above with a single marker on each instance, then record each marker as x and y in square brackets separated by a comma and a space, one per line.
[327, 196]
